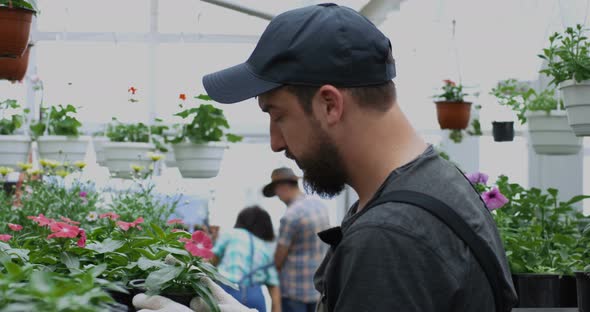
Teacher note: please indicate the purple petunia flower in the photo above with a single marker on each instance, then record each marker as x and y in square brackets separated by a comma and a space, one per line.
[83, 194]
[494, 199]
[477, 177]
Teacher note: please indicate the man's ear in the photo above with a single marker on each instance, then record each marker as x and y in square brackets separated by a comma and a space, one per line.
[331, 104]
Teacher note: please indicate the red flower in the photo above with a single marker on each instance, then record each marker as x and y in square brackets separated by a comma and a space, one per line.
[182, 96]
[132, 90]
[449, 82]
[64, 230]
[5, 237]
[41, 220]
[175, 221]
[110, 215]
[199, 245]
[82, 240]
[15, 227]
[69, 221]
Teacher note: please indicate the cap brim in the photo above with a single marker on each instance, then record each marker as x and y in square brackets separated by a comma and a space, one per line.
[235, 84]
[269, 190]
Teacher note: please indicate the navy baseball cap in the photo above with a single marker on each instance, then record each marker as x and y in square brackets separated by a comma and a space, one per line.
[311, 46]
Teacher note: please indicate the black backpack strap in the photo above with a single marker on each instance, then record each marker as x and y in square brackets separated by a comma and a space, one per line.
[484, 254]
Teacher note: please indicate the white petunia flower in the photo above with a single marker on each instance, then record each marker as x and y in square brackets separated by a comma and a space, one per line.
[92, 216]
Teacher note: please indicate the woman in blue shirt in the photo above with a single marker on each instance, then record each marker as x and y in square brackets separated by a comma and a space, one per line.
[245, 256]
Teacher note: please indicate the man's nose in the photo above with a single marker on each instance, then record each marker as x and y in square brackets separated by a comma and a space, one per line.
[277, 144]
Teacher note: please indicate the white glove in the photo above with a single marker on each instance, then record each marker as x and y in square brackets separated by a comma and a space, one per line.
[227, 303]
[157, 304]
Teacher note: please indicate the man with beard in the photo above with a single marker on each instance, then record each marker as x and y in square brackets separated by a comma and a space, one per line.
[299, 250]
[324, 75]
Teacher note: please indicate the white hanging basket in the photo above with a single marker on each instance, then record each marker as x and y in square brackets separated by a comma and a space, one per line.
[63, 148]
[120, 156]
[550, 134]
[199, 160]
[14, 149]
[576, 99]
[98, 144]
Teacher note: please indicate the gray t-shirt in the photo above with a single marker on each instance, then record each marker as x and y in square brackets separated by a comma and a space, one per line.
[399, 257]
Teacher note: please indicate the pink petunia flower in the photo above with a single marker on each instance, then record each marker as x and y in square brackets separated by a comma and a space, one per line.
[15, 227]
[110, 215]
[82, 240]
[63, 230]
[5, 237]
[175, 221]
[69, 221]
[477, 177]
[199, 245]
[494, 199]
[41, 220]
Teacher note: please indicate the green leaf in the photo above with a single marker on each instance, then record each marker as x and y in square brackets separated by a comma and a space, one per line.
[175, 251]
[157, 279]
[158, 230]
[108, 245]
[145, 264]
[204, 292]
[71, 261]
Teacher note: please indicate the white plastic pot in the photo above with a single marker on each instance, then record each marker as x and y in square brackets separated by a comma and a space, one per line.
[98, 143]
[63, 148]
[14, 149]
[550, 134]
[120, 156]
[576, 99]
[199, 160]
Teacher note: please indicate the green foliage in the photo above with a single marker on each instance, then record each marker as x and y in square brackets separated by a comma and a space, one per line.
[62, 121]
[540, 233]
[23, 4]
[206, 125]
[9, 125]
[451, 92]
[567, 56]
[137, 132]
[141, 202]
[522, 98]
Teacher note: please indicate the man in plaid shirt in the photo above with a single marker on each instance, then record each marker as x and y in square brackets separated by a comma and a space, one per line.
[299, 250]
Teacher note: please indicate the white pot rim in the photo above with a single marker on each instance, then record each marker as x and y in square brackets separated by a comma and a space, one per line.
[553, 113]
[48, 138]
[210, 144]
[15, 137]
[128, 144]
[572, 82]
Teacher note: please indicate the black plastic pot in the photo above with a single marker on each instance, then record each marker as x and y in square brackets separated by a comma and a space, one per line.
[583, 290]
[544, 290]
[503, 131]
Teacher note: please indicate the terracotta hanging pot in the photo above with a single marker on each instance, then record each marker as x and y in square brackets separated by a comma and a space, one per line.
[453, 114]
[15, 26]
[15, 68]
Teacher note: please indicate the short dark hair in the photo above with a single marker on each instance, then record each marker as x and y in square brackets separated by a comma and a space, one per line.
[257, 221]
[378, 97]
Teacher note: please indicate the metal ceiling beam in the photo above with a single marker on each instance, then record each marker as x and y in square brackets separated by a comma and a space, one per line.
[240, 8]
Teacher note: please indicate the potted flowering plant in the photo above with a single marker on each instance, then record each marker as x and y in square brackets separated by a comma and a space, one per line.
[548, 129]
[58, 136]
[541, 238]
[130, 144]
[452, 111]
[15, 26]
[198, 147]
[568, 64]
[14, 148]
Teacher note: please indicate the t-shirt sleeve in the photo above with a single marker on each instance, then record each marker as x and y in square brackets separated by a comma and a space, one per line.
[272, 277]
[220, 244]
[288, 229]
[388, 270]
